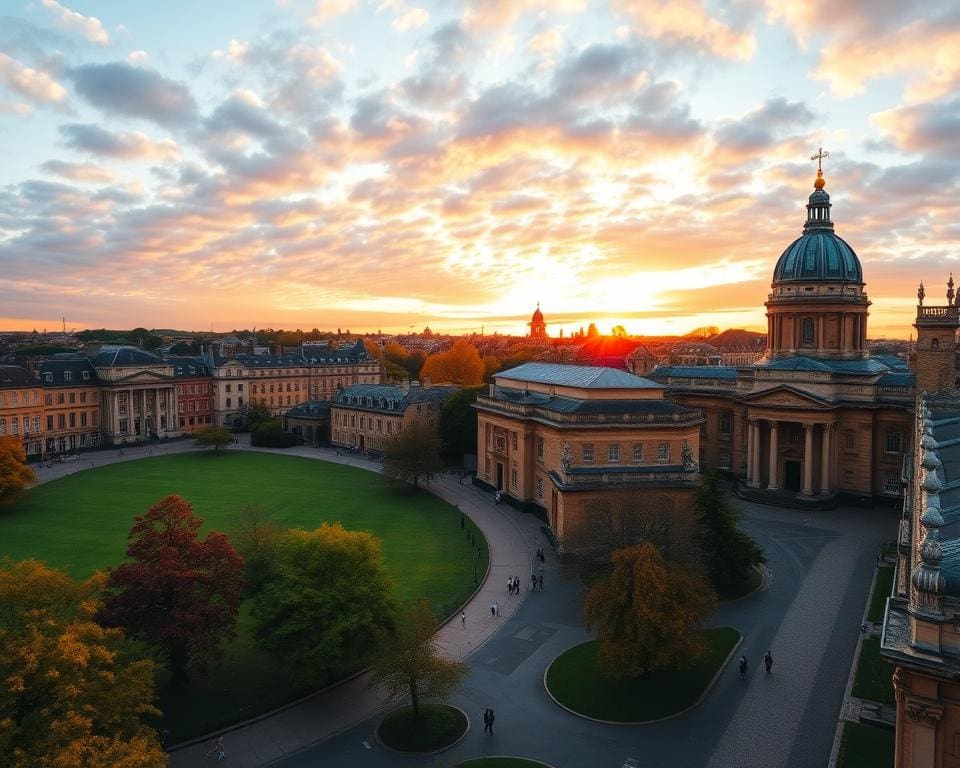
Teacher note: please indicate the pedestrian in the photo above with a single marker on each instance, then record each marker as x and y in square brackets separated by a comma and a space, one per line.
[540, 582]
[768, 662]
[463, 619]
[462, 523]
[510, 585]
[496, 608]
[533, 582]
[743, 666]
[493, 609]
[516, 584]
[488, 718]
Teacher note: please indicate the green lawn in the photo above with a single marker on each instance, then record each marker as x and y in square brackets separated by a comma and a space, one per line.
[752, 584]
[874, 678]
[501, 762]
[439, 726]
[81, 523]
[576, 681]
[863, 746]
[882, 587]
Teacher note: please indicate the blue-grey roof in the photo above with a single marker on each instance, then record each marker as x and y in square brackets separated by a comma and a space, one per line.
[391, 397]
[818, 256]
[67, 371]
[15, 376]
[110, 355]
[583, 376]
[866, 365]
[185, 367]
[557, 404]
[891, 361]
[725, 372]
[316, 409]
[898, 379]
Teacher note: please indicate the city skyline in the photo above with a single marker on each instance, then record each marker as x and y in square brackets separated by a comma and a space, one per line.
[395, 164]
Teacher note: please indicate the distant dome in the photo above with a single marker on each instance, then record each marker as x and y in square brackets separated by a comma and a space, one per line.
[818, 255]
[537, 315]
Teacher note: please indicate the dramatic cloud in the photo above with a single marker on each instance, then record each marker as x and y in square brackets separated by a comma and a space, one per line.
[325, 11]
[30, 83]
[762, 127]
[78, 171]
[87, 26]
[121, 145]
[122, 89]
[932, 128]
[689, 23]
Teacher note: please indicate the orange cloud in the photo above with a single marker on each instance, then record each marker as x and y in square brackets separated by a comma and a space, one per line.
[688, 21]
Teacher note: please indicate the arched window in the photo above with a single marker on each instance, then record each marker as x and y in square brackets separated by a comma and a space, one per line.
[935, 344]
[807, 330]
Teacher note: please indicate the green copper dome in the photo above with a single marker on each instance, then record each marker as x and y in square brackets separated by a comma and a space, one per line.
[818, 255]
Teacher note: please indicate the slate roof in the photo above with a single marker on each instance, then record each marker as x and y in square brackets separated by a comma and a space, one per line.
[14, 376]
[117, 356]
[724, 372]
[591, 407]
[582, 376]
[390, 397]
[53, 372]
[862, 366]
[187, 367]
[312, 409]
[945, 413]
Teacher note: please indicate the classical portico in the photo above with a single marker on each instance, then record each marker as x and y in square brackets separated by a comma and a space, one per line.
[790, 455]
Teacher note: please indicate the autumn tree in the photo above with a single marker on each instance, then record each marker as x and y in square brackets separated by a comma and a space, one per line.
[491, 364]
[15, 475]
[413, 453]
[71, 696]
[177, 592]
[410, 661]
[256, 536]
[327, 601]
[461, 364]
[647, 615]
[458, 424]
[212, 437]
[730, 553]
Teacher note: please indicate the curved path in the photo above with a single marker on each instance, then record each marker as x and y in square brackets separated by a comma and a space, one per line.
[808, 615]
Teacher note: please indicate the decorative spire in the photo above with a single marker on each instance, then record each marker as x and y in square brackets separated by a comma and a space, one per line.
[927, 580]
[818, 208]
[921, 293]
[950, 293]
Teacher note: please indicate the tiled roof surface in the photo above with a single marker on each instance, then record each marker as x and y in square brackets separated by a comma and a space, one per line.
[725, 372]
[381, 396]
[14, 376]
[56, 369]
[110, 356]
[583, 376]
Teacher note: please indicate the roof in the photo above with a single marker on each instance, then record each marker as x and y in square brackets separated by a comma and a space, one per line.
[185, 367]
[391, 397]
[859, 366]
[312, 409]
[15, 376]
[590, 407]
[724, 372]
[54, 372]
[111, 356]
[582, 376]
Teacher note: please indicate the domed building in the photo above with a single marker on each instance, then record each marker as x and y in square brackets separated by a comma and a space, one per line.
[538, 328]
[817, 416]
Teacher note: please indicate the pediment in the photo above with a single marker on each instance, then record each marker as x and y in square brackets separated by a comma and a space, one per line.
[786, 397]
[142, 377]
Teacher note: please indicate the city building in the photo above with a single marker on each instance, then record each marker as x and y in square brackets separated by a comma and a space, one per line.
[333, 368]
[538, 328]
[817, 415]
[558, 438]
[21, 408]
[363, 416]
[71, 400]
[310, 421]
[194, 396]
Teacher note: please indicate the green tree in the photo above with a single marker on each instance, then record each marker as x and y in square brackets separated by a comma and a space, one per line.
[15, 475]
[410, 661]
[327, 602]
[730, 554]
[256, 536]
[458, 424]
[258, 412]
[647, 615]
[413, 454]
[213, 437]
[71, 696]
[176, 592]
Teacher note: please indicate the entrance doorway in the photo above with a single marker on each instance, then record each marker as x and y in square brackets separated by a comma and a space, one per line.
[499, 476]
[791, 475]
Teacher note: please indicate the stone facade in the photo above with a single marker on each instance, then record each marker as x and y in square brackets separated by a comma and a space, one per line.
[194, 395]
[71, 399]
[21, 408]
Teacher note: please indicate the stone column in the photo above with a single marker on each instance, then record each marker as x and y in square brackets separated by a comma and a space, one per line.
[750, 439]
[808, 459]
[115, 412]
[156, 410]
[757, 470]
[774, 484]
[825, 460]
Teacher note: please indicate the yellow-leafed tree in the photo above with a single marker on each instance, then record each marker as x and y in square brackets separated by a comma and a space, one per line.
[71, 695]
[15, 475]
[461, 364]
[648, 615]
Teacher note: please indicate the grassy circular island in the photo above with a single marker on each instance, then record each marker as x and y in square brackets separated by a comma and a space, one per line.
[501, 762]
[576, 682]
[80, 523]
[438, 727]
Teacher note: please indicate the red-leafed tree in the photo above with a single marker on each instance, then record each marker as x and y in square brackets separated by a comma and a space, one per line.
[176, 592]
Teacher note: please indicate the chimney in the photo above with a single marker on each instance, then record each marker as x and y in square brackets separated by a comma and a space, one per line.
[426, 381]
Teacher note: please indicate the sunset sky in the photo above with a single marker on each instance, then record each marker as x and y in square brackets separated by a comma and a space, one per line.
[388, 164]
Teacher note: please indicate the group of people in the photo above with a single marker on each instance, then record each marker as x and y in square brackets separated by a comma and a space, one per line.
[767, 663]
[513, 585]
[536, 581]
[540, 556]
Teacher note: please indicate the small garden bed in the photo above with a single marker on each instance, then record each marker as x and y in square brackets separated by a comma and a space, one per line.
[574, 679]
[439, 727]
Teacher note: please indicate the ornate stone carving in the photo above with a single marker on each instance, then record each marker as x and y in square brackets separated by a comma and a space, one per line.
[565, 457]
[923, 711]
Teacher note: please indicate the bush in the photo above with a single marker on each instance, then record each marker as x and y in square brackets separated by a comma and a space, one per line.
[270, 434]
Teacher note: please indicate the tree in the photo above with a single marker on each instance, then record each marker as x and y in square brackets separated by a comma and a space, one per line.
[258, 412]
[327, 601]
[647, 614]
[256, 536]
[458, 424]
[212, 437]
[410, 662]
[619, 332]
[177, 593]
[490, 366]
[461, 364]
[70, 694]
[730, 553]
[15, 475]
[412, 454]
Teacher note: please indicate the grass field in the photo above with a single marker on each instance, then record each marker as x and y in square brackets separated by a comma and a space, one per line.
[576, 681]
[863, 746]
[81, 523]
[874, 677]
[882, 587]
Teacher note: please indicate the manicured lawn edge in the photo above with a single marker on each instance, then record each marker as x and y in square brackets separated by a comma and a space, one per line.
[501, 761]
[720, 668]
[882, 587]
[756, 582]
[438, 750]
[865, 746]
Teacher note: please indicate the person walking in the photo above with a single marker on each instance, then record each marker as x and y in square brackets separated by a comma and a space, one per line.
[463, 618]
[496, 608]
[540, 582]
[488, 718]
[493, 609]
[533, 582]
[768, 662]
[743, 666]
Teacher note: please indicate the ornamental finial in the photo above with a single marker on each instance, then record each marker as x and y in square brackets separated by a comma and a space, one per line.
[921, 293]
[820, 183]
[950, 293]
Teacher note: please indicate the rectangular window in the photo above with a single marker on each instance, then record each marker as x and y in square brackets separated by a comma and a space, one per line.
[83, 419]
[68, 376]
[36, 424]
[3, 427]
[613, 453]
[540, 448]
[724, 461]
[588, 453]
[61, 421]
[638, 453]
[893, 442]
[229, 386]
[73, 398]
[513, 477]
[539, 487]
[891, 482]
[725, 424]
[85, 375]
[83, 397]
[49, 423]
[850, 440]
[59, 399]
[73, 420]
[229, 403]
[48, 377]
[663, 453]
[239, 387]
[501, 442]
[123, 425]
[48, 399]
